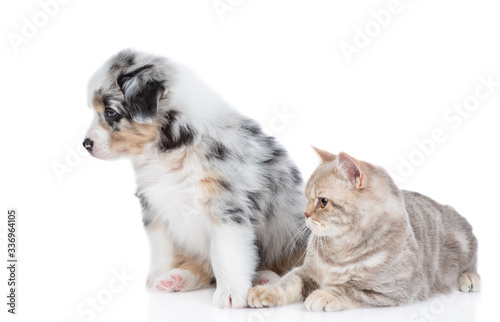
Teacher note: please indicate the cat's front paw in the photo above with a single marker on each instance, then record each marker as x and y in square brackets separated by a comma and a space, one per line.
[265, 296]
[319, 300]
[325, 300]
[226, 299]
[174, 280]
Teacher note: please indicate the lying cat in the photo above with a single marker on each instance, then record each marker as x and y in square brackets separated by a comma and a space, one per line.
[373, 244]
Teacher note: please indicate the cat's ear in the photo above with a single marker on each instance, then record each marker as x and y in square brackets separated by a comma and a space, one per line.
[324, 155]
[352, 170]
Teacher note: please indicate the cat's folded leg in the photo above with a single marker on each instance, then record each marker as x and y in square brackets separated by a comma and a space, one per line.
[330, 299]
[290, 289]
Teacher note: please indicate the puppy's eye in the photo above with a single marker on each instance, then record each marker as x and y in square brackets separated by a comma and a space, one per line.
[323, 202]
[110, 113]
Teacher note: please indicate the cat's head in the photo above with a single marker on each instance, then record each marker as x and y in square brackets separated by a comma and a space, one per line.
[345, 194]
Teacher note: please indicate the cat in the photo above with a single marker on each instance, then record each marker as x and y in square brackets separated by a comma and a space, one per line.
[372, 244]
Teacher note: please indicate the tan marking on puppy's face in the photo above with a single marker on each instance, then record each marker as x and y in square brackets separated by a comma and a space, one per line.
[131, 137]
[114, 131]
[98, 104]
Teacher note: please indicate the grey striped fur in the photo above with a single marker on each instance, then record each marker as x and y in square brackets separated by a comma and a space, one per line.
[373, 244]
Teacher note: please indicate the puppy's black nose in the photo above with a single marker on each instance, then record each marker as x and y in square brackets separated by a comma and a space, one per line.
[88, 144]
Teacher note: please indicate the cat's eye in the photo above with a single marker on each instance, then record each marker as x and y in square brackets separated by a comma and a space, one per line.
[323, 202]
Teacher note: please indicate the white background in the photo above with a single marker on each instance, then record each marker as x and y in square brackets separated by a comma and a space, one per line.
[80, 226]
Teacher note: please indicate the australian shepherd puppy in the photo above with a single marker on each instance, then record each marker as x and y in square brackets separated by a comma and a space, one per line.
[220, 199]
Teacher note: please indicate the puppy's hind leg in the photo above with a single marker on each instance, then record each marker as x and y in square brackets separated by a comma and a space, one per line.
[189, 276]
[170, 270]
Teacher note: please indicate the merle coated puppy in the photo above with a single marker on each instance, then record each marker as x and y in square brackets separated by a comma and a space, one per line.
[221, 200]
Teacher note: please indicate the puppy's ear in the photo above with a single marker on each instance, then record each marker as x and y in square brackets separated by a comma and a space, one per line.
[142, 93]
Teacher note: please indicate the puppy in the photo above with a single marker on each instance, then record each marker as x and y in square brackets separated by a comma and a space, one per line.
[220, 199]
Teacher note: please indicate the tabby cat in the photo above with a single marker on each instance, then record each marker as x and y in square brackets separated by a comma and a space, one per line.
[373, 244]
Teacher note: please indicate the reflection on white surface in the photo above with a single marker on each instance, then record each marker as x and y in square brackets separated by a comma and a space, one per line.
[197, 306]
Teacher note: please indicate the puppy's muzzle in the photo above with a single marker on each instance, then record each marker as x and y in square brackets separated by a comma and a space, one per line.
[88, 144]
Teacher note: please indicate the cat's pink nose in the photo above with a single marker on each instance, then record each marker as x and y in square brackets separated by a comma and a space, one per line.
[307, 215]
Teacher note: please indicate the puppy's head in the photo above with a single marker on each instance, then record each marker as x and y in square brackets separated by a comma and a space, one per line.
[125, 95]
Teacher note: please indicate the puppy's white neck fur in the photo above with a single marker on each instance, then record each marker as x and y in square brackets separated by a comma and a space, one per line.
[170, 162]
[200, 103]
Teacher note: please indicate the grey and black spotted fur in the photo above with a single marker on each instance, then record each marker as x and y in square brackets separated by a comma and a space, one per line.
[220, 198]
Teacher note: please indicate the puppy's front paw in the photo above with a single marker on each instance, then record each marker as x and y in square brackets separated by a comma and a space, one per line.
[226, 299]
[265, 296]
[174, 280]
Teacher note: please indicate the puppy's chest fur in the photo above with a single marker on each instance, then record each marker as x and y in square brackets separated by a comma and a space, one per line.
[171, 195]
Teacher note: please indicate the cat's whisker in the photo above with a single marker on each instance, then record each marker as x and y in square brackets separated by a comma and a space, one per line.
[325, 246]
[331, 257]
[321, 239]
[296, 245]
[324, 243]
[296, 236]
[317, 248]
[301, 231]
[303, 254]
